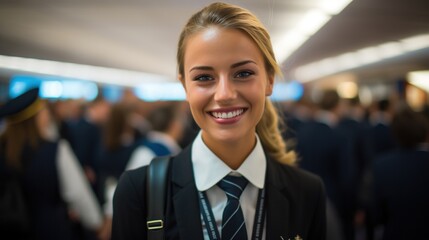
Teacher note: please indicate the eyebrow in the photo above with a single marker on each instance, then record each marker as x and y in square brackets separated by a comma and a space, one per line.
[235, 65]
[242, 63]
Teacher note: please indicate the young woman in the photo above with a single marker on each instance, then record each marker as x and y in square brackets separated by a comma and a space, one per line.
[227, 67]
[56, 190]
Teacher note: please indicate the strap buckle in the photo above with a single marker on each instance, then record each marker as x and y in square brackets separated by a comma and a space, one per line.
[155, 224]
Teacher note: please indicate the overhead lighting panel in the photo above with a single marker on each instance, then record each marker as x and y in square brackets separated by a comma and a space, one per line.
[359, 58]
[309, 24]
[419, 79]
[96, 74]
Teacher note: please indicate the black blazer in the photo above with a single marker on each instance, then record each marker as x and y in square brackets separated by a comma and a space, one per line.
[401, 182]
[326, 153]
[295, 203]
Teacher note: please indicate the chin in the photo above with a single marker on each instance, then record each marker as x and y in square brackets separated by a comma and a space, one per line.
[227, 136]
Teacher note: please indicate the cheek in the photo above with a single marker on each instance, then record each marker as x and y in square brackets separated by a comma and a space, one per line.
[257, 97]
[191, 96]
[196, 101]
[256, 92]
[196, 94]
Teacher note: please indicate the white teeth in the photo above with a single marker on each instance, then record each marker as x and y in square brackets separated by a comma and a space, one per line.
[226, 115]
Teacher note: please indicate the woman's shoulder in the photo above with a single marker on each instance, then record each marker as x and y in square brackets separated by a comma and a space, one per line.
[135, 176]
[131, 185]
[293, 171]
[295, 178]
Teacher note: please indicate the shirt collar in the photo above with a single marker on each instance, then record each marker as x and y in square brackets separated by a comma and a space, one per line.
[209, 169]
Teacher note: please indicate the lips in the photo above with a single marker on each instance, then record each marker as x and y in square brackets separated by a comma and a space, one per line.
[227, 114]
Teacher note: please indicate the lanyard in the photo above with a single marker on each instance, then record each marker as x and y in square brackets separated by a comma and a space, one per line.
[209, 220]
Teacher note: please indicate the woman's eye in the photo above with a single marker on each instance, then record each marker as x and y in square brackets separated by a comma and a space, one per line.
[244, 74]
[203, 78]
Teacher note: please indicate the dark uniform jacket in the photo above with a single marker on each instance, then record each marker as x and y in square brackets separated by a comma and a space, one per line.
[401, 183]
[48, 213]
[295, 203]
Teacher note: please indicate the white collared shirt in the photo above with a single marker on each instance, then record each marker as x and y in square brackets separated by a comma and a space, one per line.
[209, 170]
[75, 189]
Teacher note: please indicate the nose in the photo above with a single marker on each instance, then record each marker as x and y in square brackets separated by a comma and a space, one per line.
[225, 90]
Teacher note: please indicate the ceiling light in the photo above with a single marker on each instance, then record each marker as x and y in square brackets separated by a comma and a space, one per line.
[419, 79]
[391, 49]
[334, 7]
[347, 89]
[287, 44]
[347, 60]
[309, 24]
[365, 95]
[53, 87]
[160, 92]
[416, 42]
[96, 74]
[365, 56]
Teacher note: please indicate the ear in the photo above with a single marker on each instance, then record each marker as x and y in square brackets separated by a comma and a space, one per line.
[270, 85]
[182, 80]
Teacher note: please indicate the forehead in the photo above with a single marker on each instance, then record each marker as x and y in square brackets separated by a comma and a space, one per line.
[217, 43]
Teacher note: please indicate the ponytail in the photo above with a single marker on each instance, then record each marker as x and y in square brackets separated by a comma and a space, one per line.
[271, 138]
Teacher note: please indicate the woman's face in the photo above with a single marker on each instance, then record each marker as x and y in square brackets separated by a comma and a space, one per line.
[226, 84]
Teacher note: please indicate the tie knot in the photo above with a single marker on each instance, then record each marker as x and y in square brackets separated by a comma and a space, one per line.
[233, 186]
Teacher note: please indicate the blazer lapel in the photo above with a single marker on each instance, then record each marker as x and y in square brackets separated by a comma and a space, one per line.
[278, 205]
[186, 202]
[185, 199]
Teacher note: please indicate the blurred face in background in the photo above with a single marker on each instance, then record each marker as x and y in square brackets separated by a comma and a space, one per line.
[226, 84]
[46, 125]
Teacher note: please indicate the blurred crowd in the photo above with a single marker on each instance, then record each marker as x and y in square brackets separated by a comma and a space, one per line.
[89, 145]
[373, 160]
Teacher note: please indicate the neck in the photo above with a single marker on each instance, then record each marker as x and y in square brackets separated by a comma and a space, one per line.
[232, 154]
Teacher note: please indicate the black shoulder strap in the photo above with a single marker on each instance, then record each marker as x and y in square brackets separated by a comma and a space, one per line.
[156, 193]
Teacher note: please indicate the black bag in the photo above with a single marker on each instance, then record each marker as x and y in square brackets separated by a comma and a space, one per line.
[14, 218]
[156, 193]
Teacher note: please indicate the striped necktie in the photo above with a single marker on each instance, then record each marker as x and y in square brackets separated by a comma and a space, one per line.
[233, 225]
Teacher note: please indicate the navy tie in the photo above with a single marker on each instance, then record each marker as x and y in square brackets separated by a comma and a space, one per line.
[233, 225]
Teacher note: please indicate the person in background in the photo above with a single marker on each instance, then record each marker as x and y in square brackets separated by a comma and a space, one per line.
[378, 140]
[65, 113]
[381, 134]
[191, 128]
[87, 135]
[295, 114]
[227, 67]
[166, 130]
[356, 131]
[120, 140]
[326, 152]
[167, 126]
[353, 126]
[401, 180]
[126, 147]
[54, 183]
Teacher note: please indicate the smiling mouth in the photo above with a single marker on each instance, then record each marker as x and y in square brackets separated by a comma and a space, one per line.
[229, 114]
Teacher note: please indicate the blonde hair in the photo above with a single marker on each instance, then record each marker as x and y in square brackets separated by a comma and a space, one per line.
[234, 17]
